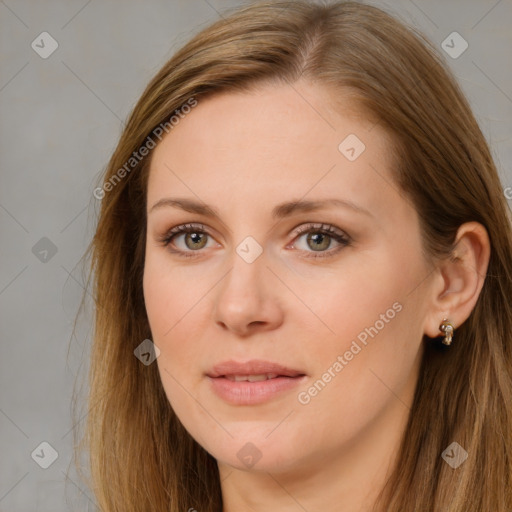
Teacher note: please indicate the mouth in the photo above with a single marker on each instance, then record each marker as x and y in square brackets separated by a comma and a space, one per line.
[252, 382]
[252, 378]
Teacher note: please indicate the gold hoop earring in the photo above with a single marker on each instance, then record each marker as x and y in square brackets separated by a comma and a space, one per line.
[447, 329]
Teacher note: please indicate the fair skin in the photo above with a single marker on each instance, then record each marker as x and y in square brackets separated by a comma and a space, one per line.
[243, 154]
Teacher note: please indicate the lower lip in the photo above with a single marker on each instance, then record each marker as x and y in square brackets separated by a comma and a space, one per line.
[252, 393]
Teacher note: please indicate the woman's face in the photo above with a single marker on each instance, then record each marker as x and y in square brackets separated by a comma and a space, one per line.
[289, 332]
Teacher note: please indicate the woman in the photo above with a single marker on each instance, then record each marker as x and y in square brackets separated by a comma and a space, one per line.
[301, 211]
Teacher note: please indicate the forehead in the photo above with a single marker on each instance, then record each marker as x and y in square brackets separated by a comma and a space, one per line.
[274, 143]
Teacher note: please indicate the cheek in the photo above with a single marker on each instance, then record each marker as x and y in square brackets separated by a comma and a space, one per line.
[176, 314]
[169, 293]
[343, 302]
[170, 301]
[368, 340]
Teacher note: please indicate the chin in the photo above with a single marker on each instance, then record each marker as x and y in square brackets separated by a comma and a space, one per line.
[257, 452]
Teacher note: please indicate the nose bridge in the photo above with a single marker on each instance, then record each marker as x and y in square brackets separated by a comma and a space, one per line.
[248, 266]
[245, 297]
[248, 236]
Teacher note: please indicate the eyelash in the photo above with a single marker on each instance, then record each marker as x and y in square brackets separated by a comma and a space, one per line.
[325, 229]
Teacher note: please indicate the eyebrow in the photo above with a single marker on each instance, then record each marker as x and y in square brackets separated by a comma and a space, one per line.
[278, 212]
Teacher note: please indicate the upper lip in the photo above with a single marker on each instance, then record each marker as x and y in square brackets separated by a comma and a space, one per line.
[252, 367]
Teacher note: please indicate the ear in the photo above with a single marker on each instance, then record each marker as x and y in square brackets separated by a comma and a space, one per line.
[459, 279]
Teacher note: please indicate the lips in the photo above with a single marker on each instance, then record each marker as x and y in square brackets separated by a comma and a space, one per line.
[252, 382]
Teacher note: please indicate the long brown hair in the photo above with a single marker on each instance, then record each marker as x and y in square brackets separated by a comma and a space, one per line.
[141, 457]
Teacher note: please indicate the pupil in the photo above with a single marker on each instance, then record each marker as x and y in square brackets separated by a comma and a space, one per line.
[195, 238]
[319, 240]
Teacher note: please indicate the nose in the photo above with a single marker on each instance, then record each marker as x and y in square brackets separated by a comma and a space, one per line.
[247, 299]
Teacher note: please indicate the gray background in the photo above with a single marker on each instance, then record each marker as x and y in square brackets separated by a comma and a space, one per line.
[60, 120]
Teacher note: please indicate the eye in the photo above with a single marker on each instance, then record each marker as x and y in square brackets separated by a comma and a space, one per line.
[319, 238]
[194, 238]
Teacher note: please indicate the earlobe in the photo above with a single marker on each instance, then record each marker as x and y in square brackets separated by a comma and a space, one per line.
[460, 279]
